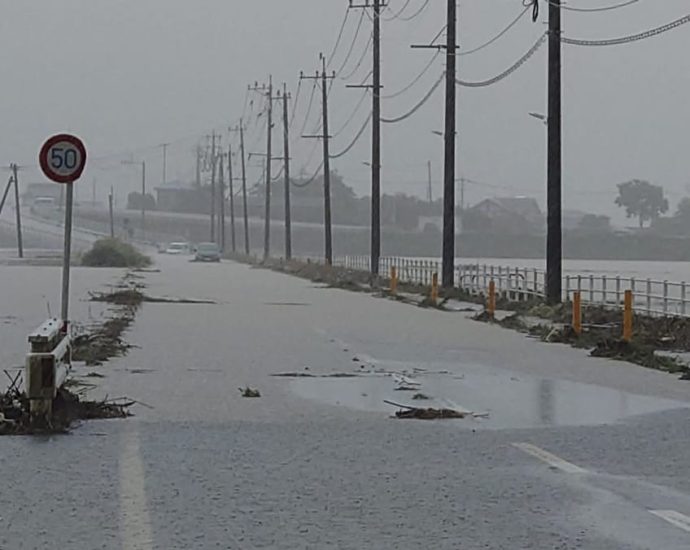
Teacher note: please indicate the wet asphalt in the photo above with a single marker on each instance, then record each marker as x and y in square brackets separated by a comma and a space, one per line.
[576, 452]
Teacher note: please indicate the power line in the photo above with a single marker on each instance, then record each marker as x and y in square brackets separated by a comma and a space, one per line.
[311, 179]
[311, 102]
[361, 59]
[415, 80]
[631, 38]
[352, 115]
[418, 106]
[355, 140]
[294, 104]
[505, 74]
[399, 13]
[410, 17]
[352, 46]
[498, 36]
[340, 34]
[603, 8]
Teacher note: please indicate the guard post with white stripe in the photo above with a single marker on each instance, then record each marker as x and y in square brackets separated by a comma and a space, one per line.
[46, 368]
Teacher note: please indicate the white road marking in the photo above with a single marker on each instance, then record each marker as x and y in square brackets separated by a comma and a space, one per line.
[675, 518]
[550, 459]
[135, 523]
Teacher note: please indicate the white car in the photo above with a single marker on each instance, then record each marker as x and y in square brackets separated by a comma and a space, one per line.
[178, 248]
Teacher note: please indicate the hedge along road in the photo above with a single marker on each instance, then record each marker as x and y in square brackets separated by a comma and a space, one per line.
[315, 464]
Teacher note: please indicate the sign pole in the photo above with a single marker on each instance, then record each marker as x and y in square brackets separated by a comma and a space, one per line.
[66, 260]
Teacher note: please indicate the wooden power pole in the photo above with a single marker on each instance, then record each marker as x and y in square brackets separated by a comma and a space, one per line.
[231, 188]
[328, 231]
[286, 169]
[554, 162]
[18, 212]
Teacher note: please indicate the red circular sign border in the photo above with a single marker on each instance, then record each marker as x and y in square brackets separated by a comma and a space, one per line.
[45, 166]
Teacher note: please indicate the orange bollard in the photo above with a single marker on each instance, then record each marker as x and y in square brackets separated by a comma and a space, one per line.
[577, 312]
[491, 305]
[394, 280]
[434, 288]
[628, 316]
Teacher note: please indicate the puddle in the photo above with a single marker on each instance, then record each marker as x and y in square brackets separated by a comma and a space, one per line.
[512, 400]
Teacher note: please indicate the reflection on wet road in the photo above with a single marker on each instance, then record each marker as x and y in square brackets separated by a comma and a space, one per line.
[512, 400]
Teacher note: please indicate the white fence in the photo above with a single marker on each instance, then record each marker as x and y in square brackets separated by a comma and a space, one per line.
[650, 296]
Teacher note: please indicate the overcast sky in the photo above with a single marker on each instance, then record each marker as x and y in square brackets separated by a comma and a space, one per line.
[128, 75]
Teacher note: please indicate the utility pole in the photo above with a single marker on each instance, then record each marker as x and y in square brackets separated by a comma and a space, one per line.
[110, 214]
[165, 161]
[17, 210]
[286, 169]
[232, 200]
[449, 136]
[221, 200]
[244, 186]
[143, 200]
[376, 5]
[213, 186]
[554, 162]
[198, 166]
[324, 78]
[269, 158]
[429, 191]
[448, 266]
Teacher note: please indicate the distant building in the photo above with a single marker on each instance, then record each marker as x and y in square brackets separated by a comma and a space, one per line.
[514, 215]
[43, 191]
[185, 200]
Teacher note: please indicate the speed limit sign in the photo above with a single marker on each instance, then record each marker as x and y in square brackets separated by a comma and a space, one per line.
[63, 158]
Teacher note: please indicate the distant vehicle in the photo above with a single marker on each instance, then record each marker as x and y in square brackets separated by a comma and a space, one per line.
[44, 201]
[178, 248]
[207, 252]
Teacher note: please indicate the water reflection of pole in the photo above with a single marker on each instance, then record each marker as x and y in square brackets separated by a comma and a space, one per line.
[546, 401]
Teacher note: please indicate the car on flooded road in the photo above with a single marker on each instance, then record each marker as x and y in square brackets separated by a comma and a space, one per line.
[207, 252]
[178, 248]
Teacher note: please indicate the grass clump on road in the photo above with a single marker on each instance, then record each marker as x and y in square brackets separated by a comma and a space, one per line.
[114, 253]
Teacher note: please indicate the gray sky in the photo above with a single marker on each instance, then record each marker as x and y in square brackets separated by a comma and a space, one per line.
[127, 75]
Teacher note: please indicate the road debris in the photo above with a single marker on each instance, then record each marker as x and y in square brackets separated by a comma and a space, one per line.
[249, 392]
[69, 407]
[420, 396]
[407, 412]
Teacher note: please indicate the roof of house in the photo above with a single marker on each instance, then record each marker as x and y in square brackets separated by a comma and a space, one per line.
[527, 207]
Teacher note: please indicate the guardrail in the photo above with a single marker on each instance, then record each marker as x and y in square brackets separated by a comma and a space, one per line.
[650, 296]
[47, 366]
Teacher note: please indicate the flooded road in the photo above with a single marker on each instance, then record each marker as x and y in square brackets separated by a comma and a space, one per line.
[503, 399]
[576, 452]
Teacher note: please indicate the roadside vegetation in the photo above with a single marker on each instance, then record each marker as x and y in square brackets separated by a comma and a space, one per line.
[114, 253]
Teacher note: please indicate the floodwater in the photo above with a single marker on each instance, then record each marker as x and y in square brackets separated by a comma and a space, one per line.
[509, 400]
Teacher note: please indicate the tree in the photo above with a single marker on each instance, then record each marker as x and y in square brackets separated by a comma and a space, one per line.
[642, 200]
[683, 209]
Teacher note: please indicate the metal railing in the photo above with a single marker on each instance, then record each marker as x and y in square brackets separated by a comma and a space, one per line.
[650, 296]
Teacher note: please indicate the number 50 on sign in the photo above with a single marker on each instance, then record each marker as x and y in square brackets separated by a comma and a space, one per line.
[63, 158]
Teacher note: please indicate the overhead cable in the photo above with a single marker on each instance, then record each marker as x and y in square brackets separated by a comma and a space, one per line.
[418, 106]
[627, 39]
[505, 74]
[415, 14]
[310, 180]
[352, 115]
[340, 36]
[399, 12]
[355, 140]
[415, 80]
[603, 8]
[354, 42]
[498, 36]
[361, 59]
